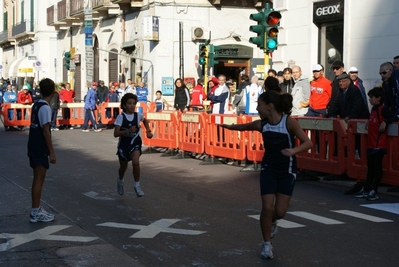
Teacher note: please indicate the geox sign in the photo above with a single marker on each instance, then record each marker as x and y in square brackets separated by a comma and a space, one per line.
[327, 11]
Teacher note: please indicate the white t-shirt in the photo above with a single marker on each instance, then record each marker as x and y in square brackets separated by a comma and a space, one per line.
[44, 113]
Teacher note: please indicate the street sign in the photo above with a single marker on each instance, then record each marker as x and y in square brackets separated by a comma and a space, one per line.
[25, 70]
[38, 63]
[1, 67]
[31, 57]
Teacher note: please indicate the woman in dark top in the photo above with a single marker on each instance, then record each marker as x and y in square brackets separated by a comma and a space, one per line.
[182, 96]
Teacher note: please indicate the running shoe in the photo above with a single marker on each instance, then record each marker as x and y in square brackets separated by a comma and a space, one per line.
[266, 252]
[41, 216]
[97, 130]
[274, 229]
[120, 187]
[138, 191]
[361, 194]
[86, 131]
[372, 195]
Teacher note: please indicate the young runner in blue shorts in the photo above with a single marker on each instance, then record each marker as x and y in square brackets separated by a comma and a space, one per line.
[278, 172]
[127, 128]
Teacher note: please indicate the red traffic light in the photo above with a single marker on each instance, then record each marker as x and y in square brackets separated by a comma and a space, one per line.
[273, 18]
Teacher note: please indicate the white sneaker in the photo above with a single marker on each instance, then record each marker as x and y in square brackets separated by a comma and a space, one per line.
[138, 191]
[86, 131]
[120, 186]
[97, 130]
[266, 252]
[274, 229]
[41, 216]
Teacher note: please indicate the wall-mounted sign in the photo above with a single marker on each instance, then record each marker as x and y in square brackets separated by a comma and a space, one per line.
[168, 86]
[326, 11]
[151, 28]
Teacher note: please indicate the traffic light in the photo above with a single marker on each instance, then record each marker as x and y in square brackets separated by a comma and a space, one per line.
[258, 29]
[67, 56]
[203, 54]
[213, 56]
[272, 21]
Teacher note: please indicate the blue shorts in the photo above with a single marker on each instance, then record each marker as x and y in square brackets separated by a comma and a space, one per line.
[272, 183]
[124, 153]
[34, 162]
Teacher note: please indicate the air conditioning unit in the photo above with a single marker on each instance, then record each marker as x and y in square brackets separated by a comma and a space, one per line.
[199, 33]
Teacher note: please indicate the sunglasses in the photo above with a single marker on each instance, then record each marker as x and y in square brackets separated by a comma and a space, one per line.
[384, 72]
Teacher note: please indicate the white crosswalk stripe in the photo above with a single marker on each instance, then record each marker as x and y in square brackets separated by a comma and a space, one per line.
[388, 207]
[324, 220]
[362, 216]
[315, 218]
[282, 223]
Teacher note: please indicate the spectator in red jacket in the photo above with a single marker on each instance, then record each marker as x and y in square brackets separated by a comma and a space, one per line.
[320, 93]
[66, 96]
[24, 97]
[198, 95]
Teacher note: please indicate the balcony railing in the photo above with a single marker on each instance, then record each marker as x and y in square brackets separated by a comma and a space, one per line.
[77, 6]
[4, 35]
[98, 3]
[23, 27]
[50, 15]
[62, 11]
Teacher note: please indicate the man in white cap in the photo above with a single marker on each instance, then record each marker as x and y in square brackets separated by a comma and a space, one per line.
[320, 93]
[353, 74]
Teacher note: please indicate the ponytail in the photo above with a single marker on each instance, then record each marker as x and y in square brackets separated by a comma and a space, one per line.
[282, 102]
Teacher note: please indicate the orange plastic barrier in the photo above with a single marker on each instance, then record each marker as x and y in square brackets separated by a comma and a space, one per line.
[223, 142]
[329, 144]
[77, 114]
[192, 132]
[21, 116]
[255, 149]
[357, 166]
[164, 126]
[109, 111]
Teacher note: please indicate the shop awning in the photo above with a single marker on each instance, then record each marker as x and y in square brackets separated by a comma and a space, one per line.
[22, 67]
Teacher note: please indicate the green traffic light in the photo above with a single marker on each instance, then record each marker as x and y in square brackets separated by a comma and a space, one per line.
[202, 54]
[67, 56]
[271, 44]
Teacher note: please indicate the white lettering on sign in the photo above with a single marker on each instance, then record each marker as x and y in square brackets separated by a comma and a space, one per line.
[150, 231]
[327, 10]
[15, 240]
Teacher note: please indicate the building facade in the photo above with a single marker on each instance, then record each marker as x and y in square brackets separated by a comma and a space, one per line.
[158, 41]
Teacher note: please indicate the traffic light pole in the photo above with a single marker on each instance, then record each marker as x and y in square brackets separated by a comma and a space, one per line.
[266, 60]
[206, 77]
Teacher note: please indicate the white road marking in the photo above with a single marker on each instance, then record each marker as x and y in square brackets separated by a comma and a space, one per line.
[94, 195]
[150, 231]
[42, 234]
[282, 223]
[313, 217]
[388, 207]
[361, 216]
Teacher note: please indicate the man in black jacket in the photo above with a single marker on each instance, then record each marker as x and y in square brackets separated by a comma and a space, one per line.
[348, 103]
[338, 69]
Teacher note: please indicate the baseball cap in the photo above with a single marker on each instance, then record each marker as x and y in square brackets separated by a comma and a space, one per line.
[337, 64]
[343, 76]
[101, 82]
[116, 84]
[94, 84]
[25, 87]
[317, 67]
[353, 69]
